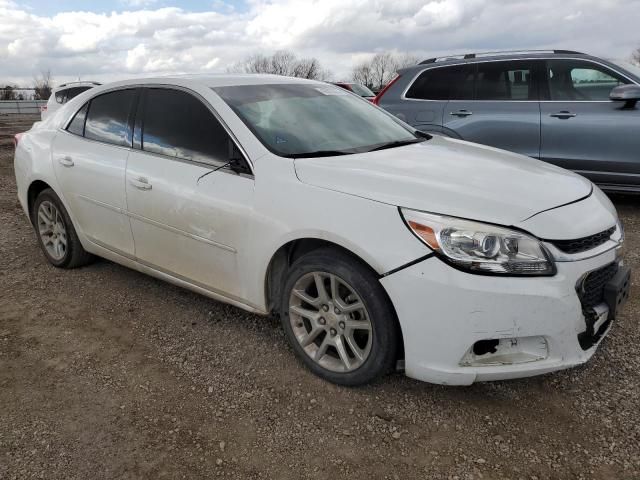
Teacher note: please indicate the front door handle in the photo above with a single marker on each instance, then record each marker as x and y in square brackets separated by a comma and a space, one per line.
[461, 113]
[66, 161]
[563, 115]
[140, 183]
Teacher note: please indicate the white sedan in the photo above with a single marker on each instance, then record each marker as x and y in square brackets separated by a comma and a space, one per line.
[380, 247]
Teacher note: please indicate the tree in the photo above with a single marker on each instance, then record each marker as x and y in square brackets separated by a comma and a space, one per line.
[379, 71]
[8, 93]
[282, 62]
[635, 56]
[43, 85]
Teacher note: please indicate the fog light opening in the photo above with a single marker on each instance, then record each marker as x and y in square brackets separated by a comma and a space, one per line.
[485, 346]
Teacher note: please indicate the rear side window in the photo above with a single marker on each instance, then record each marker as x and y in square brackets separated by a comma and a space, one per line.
[77, 124]
[108, 118]
[574, 80]
[505, 81]
[444, 83]
[177, 124]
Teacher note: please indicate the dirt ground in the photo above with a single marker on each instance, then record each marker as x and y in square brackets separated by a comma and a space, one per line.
[106, 373]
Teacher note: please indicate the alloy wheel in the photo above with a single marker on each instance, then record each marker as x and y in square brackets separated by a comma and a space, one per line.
[52, 230]
[330, 322]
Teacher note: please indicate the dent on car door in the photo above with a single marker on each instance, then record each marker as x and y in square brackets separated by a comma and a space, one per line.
[186, 219]
[496, 104]
[583, 130]
[90, 159]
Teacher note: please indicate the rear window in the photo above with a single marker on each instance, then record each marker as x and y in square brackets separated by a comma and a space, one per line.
[108, 118]
[63, 96]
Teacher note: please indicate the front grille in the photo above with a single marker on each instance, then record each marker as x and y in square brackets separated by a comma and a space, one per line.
[583, 244]
[591, 289]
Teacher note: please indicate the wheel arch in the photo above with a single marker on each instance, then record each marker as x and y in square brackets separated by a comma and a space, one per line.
[289, 252]
[35, 187]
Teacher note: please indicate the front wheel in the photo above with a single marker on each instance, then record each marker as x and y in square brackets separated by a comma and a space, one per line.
[338, 318]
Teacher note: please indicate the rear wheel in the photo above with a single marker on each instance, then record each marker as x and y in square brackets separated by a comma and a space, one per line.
[338, 318]
[56, 235]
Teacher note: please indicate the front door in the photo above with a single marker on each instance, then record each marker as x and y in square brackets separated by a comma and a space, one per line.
[504, 111]
[90, 159]
[583, 130]
[187, 220]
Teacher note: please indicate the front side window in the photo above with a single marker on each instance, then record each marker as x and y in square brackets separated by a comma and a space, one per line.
[574, 80]
[108, 118]
[298, 120]
[177, 124]
[505, 81]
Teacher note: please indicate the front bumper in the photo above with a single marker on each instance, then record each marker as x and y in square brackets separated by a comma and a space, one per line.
[537, 321]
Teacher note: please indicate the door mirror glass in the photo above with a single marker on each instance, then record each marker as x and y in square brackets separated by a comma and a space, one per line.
[630, 94]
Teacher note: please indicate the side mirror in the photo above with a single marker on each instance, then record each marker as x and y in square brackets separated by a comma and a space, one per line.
[630, 94]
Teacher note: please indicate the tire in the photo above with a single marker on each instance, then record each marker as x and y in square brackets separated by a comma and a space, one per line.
[323, 330]
[56, 234]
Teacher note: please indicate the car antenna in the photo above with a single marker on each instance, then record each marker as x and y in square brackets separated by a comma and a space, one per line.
[213, 170]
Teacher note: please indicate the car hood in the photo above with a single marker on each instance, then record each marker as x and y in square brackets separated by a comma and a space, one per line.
[450, 177]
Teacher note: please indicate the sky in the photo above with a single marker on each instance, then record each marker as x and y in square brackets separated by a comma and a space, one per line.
[108, 40]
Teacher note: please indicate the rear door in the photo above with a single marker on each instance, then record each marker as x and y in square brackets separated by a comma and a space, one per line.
[90, 159]
[425, 100]
[187, 219]
[583, 130]
[504, 111]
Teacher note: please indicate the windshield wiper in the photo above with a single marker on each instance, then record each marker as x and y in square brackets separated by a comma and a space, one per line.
[318, 153]
[397, 143]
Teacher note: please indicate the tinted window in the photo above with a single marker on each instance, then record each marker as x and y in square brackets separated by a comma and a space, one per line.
[74, 92]
[505, 81]
[108, 118]
[77, 124]
[576, 80]
[177, 124]
[444, 83]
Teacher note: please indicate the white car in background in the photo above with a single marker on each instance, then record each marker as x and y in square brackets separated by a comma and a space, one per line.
[377, 245]
[62, 94]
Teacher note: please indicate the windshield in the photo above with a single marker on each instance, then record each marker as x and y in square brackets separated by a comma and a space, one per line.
[298, 120]
[629, 67]
[362, 90]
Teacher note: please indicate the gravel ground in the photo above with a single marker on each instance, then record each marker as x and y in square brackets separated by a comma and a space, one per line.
[107, 373]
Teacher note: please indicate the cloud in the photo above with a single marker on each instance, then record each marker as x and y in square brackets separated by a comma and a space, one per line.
[141, 38]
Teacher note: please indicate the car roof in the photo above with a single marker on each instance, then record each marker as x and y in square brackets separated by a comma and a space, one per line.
[83, 83]
[215, 80]
[504, 55]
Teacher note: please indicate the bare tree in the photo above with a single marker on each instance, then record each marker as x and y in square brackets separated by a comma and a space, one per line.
[635, 56]
[379, 71]
[43, 85]
[284, 63]
[362, 74]
[8, 93]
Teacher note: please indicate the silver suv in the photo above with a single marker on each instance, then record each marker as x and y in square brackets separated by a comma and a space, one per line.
[567, 108]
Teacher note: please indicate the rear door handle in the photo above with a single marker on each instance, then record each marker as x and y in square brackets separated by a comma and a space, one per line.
[140, 183]
[66, 161]
[461, 113]
[563, 115]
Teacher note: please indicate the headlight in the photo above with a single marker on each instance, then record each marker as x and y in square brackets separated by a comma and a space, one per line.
[480, 247]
